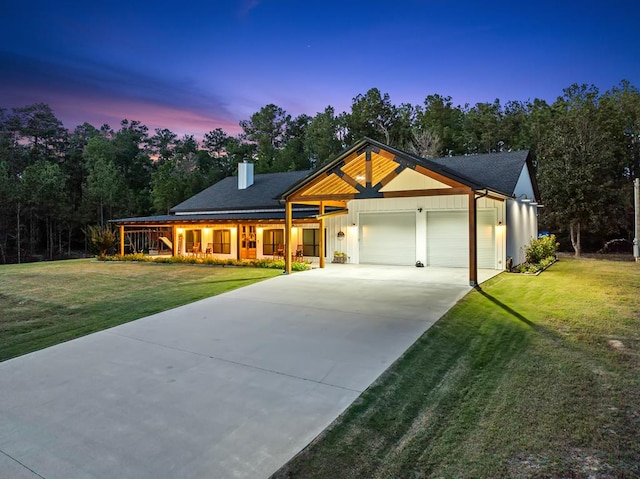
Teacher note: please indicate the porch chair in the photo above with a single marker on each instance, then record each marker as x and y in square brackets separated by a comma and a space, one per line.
[209, 250]
[279, 252]
[195, 249]
[299, 255]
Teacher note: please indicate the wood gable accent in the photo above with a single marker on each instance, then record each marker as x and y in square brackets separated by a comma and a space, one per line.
[369, 172]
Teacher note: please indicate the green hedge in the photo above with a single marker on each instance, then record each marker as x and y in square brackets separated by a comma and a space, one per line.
[252, 263]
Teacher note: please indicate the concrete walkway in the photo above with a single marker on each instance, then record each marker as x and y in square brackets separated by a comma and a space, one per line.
[228, 387]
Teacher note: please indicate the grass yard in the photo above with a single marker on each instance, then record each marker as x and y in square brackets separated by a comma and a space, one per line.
[530, 377]
[42, 304]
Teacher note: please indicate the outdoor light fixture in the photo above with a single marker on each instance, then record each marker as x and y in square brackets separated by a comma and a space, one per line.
[525, 199]
[499, 224]
[340, 234]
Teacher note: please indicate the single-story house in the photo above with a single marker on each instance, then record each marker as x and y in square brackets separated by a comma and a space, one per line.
[374, 203]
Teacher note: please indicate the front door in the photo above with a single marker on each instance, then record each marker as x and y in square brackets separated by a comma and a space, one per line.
[248, 242]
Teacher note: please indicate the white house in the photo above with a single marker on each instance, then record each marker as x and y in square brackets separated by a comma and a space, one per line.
[377, 204]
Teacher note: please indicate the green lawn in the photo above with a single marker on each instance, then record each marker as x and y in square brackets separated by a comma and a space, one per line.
[42, 304]
[530, 377]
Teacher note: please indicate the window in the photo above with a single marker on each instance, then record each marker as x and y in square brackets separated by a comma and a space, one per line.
[270, 241]
[311, 242]
[193, 240]
[221, 242]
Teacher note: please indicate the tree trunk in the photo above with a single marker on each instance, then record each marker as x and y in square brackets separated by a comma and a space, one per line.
[18, 232]
[31, 238]
[574, 233]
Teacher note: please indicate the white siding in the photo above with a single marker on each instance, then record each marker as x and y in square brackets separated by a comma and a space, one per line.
[522, 226]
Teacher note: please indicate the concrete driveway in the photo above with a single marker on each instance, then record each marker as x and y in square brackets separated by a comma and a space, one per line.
[231, 386]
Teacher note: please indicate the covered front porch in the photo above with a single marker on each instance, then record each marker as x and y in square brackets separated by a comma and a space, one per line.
[246, 240]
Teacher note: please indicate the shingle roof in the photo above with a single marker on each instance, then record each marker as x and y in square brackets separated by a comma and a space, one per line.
[497, 171]
[225, 195]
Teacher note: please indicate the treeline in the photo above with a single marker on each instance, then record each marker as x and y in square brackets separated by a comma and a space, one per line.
[55, 182]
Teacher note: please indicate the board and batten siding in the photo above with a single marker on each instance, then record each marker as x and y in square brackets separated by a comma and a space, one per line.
[349, 224]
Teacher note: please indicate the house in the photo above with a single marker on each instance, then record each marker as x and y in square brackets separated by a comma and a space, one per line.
[377, 204]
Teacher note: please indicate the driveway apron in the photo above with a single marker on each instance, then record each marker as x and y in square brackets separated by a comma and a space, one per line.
[228, 387]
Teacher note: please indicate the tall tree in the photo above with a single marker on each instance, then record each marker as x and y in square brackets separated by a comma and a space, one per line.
[482, 128]
[266, 129]
[104, 189]
[44, 187]
[293, 155]
[163, 144]
[444, 122]
[574, 167]
[43, 132]
[372, 115]
[134, 163]
[321, 141]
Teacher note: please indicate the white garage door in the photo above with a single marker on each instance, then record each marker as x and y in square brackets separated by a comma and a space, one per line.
[388, 238]
[448, 239]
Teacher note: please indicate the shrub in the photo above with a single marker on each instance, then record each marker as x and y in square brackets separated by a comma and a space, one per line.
[539, 254]
[101, 238]
[253, 263]
[541, 248]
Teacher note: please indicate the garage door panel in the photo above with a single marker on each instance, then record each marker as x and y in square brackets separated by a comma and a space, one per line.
[388, 238]
[448, 239]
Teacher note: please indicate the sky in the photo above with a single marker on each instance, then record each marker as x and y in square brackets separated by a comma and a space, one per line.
[194, 66]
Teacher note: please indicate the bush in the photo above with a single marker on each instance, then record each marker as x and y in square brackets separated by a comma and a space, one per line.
[541, 248]
[101, 238]
[540, 253]
[253, 263]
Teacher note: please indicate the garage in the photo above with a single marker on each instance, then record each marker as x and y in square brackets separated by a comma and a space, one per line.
[388, 238]
[448, 238]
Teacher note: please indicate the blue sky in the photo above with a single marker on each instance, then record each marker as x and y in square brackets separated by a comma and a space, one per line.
[195, 66]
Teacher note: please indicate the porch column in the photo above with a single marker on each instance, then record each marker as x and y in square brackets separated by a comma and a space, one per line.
[473, 241]
[121, 240]
[238, 242]
[287, 237]
[174, 236]
[321, 243]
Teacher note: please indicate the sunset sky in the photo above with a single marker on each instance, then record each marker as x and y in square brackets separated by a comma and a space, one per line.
[195, 66]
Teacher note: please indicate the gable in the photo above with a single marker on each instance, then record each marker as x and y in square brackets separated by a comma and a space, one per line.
[412, 180]
[370, 169]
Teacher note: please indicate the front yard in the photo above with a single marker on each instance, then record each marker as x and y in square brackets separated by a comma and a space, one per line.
[42, 304]
[530, 377]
